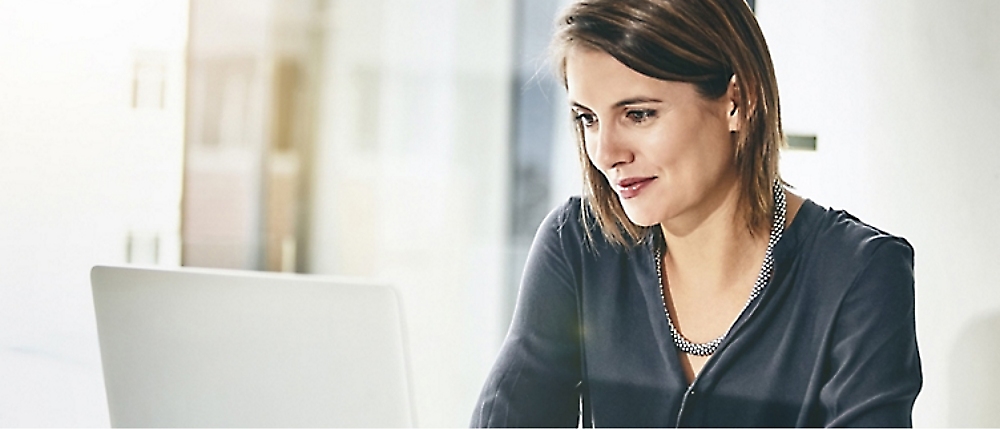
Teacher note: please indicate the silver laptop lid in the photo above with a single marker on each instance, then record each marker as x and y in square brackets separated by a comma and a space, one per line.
[196, 348]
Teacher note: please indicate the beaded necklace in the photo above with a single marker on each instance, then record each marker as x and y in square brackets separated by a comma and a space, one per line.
[709, 348]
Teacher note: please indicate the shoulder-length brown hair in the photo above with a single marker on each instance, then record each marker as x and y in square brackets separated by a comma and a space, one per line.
[703, 42]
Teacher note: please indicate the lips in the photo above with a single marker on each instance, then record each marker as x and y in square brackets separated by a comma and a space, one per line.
[632, 186]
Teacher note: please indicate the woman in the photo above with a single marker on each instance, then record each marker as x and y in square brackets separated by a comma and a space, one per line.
[688, 287]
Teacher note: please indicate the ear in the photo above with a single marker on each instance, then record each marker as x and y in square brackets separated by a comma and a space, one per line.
[733, 95]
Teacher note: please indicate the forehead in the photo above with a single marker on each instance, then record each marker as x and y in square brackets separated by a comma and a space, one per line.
[597, 80]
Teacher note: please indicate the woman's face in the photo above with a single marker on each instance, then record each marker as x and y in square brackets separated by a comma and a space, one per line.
[664, 149]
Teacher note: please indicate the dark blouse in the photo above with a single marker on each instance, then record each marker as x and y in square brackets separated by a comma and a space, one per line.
[830, 341]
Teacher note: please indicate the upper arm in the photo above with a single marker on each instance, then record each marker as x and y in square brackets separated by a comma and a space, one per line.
[536, 377]
[874, 363]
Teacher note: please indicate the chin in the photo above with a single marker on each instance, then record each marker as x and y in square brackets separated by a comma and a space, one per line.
[640, 217]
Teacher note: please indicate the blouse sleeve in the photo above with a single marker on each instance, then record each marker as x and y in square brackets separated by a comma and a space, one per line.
[875, 367]
[535, 380]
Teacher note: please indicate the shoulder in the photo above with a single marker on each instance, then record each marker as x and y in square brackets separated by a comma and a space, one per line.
[567, 223]
[574, 227]
[565, 215]
[843, 250]
[569, 242]
[561, 227]
[859, 279]
[841, 237]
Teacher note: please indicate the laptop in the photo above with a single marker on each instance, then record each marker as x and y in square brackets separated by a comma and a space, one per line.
[217, 348]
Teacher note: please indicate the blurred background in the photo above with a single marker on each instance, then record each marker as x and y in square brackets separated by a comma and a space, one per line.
[421, 142]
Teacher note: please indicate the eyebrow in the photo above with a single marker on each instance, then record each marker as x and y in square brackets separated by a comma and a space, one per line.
[625, 102]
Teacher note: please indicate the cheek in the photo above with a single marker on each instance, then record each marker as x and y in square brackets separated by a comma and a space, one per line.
[720, 148]
[696, 143]
[587, 152]
[665, 146]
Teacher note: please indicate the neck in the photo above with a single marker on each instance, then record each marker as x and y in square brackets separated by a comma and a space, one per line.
[711, 248]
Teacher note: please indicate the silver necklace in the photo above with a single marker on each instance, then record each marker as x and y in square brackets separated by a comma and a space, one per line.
[709, 348]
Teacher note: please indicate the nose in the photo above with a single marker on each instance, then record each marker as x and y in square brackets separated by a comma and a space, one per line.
[607, 148]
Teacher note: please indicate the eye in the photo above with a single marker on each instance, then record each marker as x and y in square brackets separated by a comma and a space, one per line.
[585, 119]
[640, 116]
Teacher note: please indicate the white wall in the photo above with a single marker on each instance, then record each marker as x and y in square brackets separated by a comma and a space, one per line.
[80, 170]
[411, 177]
[904, 97]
